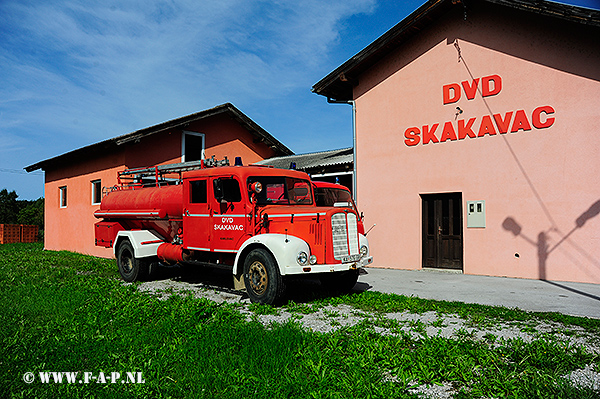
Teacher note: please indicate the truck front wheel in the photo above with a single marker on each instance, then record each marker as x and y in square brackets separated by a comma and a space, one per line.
[130, 267]
[263, 281]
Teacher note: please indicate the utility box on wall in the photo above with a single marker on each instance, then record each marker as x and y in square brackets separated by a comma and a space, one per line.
[476, 214]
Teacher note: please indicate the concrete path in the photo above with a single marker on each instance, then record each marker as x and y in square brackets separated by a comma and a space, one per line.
[576, 299]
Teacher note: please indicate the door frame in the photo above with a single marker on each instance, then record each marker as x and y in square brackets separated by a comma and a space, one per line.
[442, 235]
[196, 216]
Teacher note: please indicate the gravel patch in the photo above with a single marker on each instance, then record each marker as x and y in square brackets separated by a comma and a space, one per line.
[443, 391]
[325, 320]
[453, 326]
[165, 288]
[585, 378]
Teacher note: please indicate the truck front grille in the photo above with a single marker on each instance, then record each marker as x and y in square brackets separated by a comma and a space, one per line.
[345, 237]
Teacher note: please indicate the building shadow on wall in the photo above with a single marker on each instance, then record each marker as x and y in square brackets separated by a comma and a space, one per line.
[542, 242]
[544, 249]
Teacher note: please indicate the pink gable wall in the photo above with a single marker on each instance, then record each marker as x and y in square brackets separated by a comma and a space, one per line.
[226, 137]
[543, 179]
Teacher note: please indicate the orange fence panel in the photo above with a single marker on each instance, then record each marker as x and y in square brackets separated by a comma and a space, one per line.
[10, 233]
[29, 233]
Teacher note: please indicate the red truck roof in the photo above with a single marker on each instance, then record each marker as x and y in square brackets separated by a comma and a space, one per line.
[246, 171]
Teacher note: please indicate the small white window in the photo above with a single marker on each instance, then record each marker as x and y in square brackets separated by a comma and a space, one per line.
[63, 196]
[96, 192]
[192, 146]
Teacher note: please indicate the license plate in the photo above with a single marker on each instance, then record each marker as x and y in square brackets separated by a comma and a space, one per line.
[351, 258]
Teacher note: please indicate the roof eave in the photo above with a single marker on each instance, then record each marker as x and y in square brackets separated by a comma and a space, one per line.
[338, 85]
[227, 108]
[265, 136]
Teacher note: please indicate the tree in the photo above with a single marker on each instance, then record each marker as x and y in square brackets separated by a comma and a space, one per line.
[32, 213]
[13, 211]
[9, 208]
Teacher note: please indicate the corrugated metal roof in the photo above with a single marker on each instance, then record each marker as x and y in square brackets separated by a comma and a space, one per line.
[228, 108]
[343, 156]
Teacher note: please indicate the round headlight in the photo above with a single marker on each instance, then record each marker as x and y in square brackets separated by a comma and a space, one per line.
[312, 259]
[364, 250]
[302, 258]
[256, 187]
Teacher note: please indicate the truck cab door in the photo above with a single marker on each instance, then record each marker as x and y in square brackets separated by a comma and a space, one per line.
[229, 220]
[196, 215]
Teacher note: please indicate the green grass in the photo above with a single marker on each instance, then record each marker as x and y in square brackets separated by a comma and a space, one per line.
[67, 312]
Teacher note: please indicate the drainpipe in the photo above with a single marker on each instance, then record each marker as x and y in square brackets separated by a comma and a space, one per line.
[351, 102]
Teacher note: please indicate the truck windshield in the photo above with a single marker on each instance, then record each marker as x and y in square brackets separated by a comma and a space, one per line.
[326, 196]
[282, 190]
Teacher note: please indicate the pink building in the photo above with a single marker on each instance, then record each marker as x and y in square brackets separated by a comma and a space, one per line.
[477, 139]
[74, 181]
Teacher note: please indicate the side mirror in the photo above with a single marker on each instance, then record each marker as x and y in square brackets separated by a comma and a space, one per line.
[218, 189]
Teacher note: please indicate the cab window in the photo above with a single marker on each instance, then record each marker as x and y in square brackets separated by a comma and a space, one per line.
[283, 190]
[198, 192]
[227, 190]
[329, 196]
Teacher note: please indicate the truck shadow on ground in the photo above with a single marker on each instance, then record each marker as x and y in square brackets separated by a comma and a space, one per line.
[302, 289]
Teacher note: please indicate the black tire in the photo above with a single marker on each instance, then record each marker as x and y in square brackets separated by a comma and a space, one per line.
[339, 282]
[263, 281]
[130, 267]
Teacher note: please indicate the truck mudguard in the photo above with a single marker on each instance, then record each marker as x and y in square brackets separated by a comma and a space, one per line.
[284, 248]
[145, 243]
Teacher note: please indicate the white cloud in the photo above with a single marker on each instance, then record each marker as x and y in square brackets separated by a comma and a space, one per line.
[135, 56]
[128, 47]
[77, 72]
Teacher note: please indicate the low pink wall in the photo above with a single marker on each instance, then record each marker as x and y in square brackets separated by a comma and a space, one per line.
[545, 180]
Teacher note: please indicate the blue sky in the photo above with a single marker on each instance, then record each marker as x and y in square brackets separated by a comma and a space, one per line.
[73, 73]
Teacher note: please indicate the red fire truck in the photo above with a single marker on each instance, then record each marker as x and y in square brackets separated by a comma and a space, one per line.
[261, 222]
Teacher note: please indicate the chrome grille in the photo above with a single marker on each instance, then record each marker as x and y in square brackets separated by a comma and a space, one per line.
[345, 236]
[353, 234]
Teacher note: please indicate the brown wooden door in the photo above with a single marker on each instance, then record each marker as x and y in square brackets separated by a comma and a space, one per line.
[442, 231]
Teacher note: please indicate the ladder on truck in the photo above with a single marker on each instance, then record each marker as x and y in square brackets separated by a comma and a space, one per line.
[160, 175]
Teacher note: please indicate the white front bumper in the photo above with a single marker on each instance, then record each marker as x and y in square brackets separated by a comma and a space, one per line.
[338, 267]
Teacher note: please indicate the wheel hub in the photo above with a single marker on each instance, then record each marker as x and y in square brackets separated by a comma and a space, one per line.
[127, 262]
[257, 275]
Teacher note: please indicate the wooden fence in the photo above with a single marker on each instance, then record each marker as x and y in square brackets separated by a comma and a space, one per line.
[10, 233]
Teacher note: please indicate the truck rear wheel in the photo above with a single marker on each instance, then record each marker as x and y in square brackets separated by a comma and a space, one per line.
[130, 267]
[263, 281]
